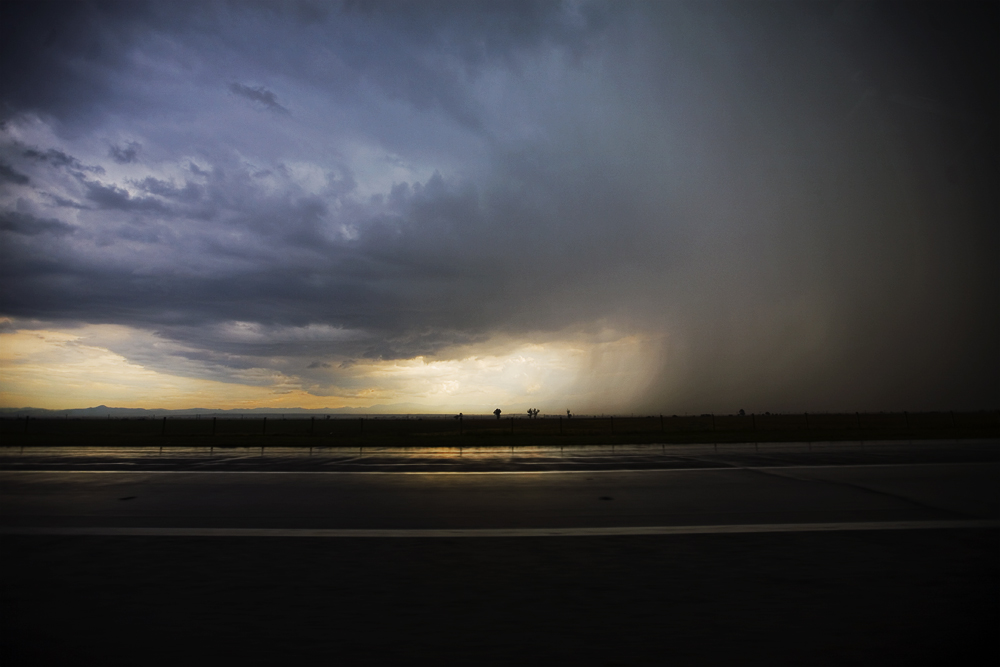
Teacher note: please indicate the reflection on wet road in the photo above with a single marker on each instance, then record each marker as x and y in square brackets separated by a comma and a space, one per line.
[775, 554]
[491, 489]
[501, 459]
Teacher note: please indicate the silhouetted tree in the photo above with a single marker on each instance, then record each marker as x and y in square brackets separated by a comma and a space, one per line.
[742, 414]
[532, 413]
[497, 413]
[569, 415]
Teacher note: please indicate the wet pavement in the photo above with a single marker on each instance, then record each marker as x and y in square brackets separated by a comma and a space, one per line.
[344, 500]
[849, 596]
[494, 489]
[499, 459]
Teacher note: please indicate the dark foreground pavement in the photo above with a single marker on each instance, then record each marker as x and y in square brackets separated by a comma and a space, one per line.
[878, 598]
[847, 596]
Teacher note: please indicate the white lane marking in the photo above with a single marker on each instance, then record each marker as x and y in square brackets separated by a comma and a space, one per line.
[499, 532]
[486, 472]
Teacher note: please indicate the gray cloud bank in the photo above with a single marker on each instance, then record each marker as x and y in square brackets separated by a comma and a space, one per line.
[797, 201]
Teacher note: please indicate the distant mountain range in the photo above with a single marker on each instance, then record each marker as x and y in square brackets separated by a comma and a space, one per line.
[105, 411]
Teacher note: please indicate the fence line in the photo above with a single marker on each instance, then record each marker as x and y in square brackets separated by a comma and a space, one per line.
[747, 426]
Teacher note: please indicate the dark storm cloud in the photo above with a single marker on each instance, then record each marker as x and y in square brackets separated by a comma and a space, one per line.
[258, 94]
[59, 159]
[191, 192]
[28, 225]
[62, 57]
[111, 197]
[125, 154]
[799, 198]
[9, 175]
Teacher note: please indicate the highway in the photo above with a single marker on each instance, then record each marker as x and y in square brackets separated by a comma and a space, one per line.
[874, 553]
[515, 500]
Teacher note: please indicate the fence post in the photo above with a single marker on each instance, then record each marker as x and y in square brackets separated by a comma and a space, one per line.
[213, 426]
[163, 431]
[312, 427]
[263, 431]
[612, 425]
[661, 424]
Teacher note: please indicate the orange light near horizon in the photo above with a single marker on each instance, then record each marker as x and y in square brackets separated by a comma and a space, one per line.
[72, 368]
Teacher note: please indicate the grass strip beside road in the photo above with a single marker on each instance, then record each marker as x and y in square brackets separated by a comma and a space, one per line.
[440, 432]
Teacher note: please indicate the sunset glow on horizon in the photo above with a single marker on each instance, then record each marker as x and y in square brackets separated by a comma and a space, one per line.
[63, 369]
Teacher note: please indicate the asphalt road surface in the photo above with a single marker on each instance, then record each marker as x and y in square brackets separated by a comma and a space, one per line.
[809, 553]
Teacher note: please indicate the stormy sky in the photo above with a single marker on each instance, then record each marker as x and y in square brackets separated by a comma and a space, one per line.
[604, 206]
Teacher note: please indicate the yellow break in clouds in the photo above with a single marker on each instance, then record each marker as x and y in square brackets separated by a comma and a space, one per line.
[56, 370]
[59, 369]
